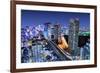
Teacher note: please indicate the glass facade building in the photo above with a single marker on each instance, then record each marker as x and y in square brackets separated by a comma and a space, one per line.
[73, 36]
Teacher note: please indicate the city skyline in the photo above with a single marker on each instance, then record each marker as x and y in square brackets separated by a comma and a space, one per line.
[45, 40]
[34, 18]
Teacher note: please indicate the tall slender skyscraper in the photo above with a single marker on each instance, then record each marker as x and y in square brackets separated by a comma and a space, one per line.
[47, 30]
[73, 36]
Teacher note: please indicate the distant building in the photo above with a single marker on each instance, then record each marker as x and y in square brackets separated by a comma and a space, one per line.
[73, 36]
[46, 29]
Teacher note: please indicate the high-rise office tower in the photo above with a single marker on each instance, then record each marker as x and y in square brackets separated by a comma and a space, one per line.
[52, 31]
[73, 36]
[47, 30]
[56, 31]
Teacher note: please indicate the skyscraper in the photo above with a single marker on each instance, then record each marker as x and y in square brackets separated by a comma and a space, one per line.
[53, 31]
[56, 31]
[47, 30]
[73, 36]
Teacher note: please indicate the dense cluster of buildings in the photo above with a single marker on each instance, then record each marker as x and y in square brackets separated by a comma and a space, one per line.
[40, 43]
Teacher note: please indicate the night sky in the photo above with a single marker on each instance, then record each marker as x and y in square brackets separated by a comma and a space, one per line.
[33, 17]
